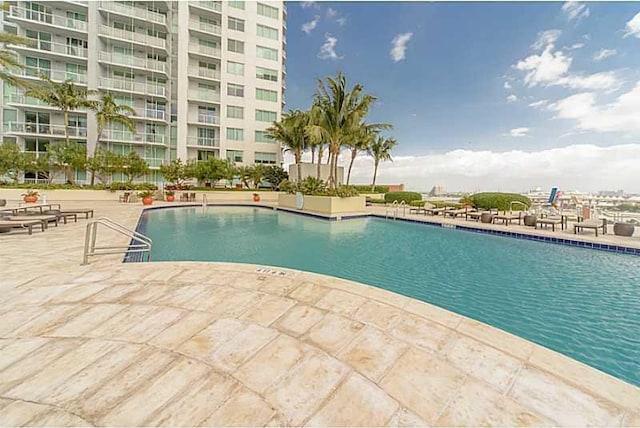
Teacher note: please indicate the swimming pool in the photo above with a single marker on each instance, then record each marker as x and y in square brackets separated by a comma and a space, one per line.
[580, 302]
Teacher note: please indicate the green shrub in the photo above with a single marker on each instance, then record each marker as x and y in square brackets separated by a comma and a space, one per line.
[438, 204]
[377, 201]
[367, 189]
[500, 201]
[402, 196]
[344, 191]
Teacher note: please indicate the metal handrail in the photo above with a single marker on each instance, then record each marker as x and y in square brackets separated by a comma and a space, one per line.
[205, 202]
[90, 249]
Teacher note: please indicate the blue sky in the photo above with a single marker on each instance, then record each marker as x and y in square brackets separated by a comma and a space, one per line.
[484, 95]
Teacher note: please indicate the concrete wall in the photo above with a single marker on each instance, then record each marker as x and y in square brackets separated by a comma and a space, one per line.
[328, 205]
[311, 170]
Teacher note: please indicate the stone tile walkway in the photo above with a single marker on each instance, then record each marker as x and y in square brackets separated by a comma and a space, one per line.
[179, 344]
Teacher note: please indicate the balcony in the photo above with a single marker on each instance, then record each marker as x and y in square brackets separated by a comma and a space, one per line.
[20, 99]
[55, 48]
[154, 162]
[205, 73]
[21, 13]
[55, 75]
[133, 12]
[214, 6]
[42, 129]
[144, 113]
[140, 38]
[126, 136]
[204, 50]
[204, 95]
[203, 142]
[132, 86]
[208, 119]
[132, 61]
[205, 27]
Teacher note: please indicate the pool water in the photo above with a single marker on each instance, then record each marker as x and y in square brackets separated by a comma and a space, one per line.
[580, 302]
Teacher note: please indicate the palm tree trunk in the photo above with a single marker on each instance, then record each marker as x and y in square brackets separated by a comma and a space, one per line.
[320, 149]
[354, 153]
[375, 172]
[298, 156]
[66, 125]
[313, 155]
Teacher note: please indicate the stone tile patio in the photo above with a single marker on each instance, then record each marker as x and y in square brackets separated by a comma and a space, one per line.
[179, 344]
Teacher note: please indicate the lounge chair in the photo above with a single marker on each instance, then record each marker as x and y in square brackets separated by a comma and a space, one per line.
[423, 209]
[590, 224]
[44, 219]
[459, 212]
[7, 225]
[62, 216]
[125, 197]
[508, 218]
[86, 211]
[435, 211]
[552, 221]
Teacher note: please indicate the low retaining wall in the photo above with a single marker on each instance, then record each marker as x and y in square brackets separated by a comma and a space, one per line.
[327, 205]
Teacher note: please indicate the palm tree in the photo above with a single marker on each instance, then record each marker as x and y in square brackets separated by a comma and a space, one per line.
[8, 58]
[362, 139]
[290, 131]
[336, 115]
[380, 150]
[66, 96]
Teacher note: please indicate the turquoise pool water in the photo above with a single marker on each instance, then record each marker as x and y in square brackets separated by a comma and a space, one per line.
[580, 302]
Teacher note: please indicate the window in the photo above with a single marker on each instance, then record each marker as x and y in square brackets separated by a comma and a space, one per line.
[266, 116]
[235, 24]
[267, 53]
[267, 32]
[76, 73]
[235, 155]
[206, 137]
[123, 26]
[155, 109]
[208, 43]
[156, 81]
[75, 46]
[236, 4]
[235, 112]
[122, 75]
[154, 133]
[38, 12]
[37, 122]
[79, 123]
[266, 158]
[236, 68]
[207, 114]
[235, 90]
[266, 95]
[235, 134]
[41, 39]
[156, 57]
[264, 137]
[124, 99]
[268, 11]
[266, 74]
[155, 33]
[37, 66]
[235, 46]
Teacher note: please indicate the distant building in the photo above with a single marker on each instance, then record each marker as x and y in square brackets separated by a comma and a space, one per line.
[436, 190]
[614, 193]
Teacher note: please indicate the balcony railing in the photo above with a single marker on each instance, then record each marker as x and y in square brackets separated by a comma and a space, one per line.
[132, 86]
[204, 95]
[44, 129]
[205, 26]
[142, 111]
[154, 163]
[141, 38]
[132, 11]
[47, 18]
[55, 75]
[203, 142]
[130, 60]
[207, 73]
[208, 119]
[205, 50]
[216, 6]
[58, 48]
[118, 135]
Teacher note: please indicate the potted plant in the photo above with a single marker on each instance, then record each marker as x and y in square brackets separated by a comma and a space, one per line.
[30, 196]
[171, 195]
[623, 228]
[147, 197]
[256, 197]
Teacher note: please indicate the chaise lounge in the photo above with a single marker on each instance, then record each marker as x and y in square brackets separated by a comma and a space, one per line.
[552, 221]
[7, 225]
[508, 218]
[590, 224]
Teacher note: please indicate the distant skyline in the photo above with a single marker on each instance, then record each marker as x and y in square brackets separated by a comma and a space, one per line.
[504, 96]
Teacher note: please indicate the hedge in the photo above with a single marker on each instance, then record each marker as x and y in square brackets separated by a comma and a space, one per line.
[367, 189]
[402, 196]
[500, 201]
[377, 201]
[437, 204]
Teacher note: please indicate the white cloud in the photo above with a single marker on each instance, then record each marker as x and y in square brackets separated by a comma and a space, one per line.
[519, 132]
[545, 38]
[308, 27]
[331, 13]
[512, 98]
[621, 115]
[399, 42]
[308, 4]
[507, 85]
[575, 10]
[538, 104]
[576, 46]
[581, 167]
[328, 48]
[341, 21]
[633, 26]
[604, 53]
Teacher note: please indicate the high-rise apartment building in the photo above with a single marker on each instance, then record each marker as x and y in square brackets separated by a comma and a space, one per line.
[206, 78]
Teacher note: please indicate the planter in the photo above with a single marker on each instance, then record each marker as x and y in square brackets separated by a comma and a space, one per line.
[327, 205]
[256, 197]
[147, 201]
[623, 229]
[486, 218]
[3, 202]
[171, 198]
[530, 220]
[30, 199]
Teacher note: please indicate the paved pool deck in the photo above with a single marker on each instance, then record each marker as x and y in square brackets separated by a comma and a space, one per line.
[201, 344]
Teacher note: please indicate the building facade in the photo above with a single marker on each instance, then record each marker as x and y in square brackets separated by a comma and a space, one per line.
[205, 78]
